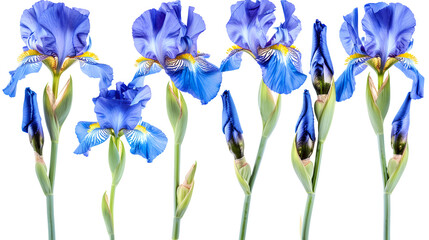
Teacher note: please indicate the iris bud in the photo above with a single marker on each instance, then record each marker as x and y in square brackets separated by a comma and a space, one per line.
[305, 135]
[243, 168]
[231, 126]
[32, 122]
[184, 192]
[269, 109]
[177, 111]
[400, 126]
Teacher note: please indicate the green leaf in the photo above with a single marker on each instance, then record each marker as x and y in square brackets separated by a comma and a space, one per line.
[383, 99]
[64, 102]
[114, 157]
[50, 118]
[182, 206]
[373, 111]
[119, 171]
[42, 175]
[108, 220]
[396, 175]
[300, 170]
[270, 110]
[177, 112]
[327, 114]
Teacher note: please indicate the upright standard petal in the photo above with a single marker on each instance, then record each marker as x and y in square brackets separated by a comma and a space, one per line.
[249, 23]
[388, 28]
[288, 31]
[157, 34]
[400, 126]
[305, 135]
[349, 34]
[230, 122]
[93, 69]
[195, 76]
[406, 65]
[345, 84]
[281, 68]
[194, 27]
[89, 135]
[146, 141]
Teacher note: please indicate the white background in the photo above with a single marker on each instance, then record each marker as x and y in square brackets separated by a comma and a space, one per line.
[349, 201]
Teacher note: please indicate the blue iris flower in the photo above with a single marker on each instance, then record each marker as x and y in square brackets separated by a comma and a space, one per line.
[321, 68]
[279, 60]
[119, 113]
[57, 36]
[305, 135]
[389, 29]
[32, 122]
[231, 126]
[165, 42]
[400, 126]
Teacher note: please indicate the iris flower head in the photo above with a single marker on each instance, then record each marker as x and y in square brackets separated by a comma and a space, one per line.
[321, 68]
[231, 126]
[119, 113]
[56, 36]
[400, 126]
[32, 122]
[165, 42]
[279, 60]
[389, 29]
[305, 135]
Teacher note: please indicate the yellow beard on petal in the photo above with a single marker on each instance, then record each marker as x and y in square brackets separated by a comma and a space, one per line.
[187, 56]
[93, 126]
[27, 53]
[141, 128]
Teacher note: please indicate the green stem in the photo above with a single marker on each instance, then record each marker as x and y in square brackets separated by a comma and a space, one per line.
[112, 236]
[51, 220]
[386, 216]
[55, 84]
[176, 229]
[244, 217]
[381, 150]
[380, 80]
[319, 150]
[176, 221]
[307, 216]
[112, 201]
[53, 163]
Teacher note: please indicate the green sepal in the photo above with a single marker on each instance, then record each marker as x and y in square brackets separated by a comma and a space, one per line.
[270, 110]
[119, 171]
[183, 205]
[373, 111]
[184, 192]
[395, 175]
[243, 182]
[326, 115]
[43, 178]
[51, 120]
[300, 170]
[64, 102]
[108, 220]
[177, 111]
[383, 99]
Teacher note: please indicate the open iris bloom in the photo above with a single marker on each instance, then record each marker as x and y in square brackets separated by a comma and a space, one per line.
[279, 60]
[165, 42]
[389, 29]
[119, 113]
[56, 36]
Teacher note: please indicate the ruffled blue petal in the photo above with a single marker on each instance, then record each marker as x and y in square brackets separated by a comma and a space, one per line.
[30, 64]
[232, 61]
[230, 122]
[401, 122]
[388, 28]
[195, 26]
[94, 69]
[145, 67]
[249, 23]
[281, 71]
[406, 65]
[345, 84]
[89, 135]
[305, 126]
[349, 34]
[141, 96]
[31, 120]
[146, 141]
[68, 29]
[157, 34]
[320, 51]
[195, 76]
[288, 31]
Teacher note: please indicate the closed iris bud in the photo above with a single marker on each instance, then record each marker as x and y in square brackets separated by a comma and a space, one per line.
[231, 126]
[32, 122]
[321, 68]
[400, 126]
[305, 135]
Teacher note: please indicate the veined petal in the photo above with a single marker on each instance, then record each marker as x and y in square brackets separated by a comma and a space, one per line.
[345, 84]
[141, 96]
[194, 27]
[93, 69]
[145, 67]
[230, 122]
[89, 135]
[250, 22]
[349, 34]
[288, 31]
[30, 64]
[305, 126]
[401, 122]
[406, 65]
[388, 28]
[195, 76]
[146, 141]
[233, 60]
[281, 68]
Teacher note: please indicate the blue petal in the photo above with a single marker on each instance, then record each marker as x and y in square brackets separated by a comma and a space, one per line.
[232, 61]
[195, 26]
[146, 141]
[93, 69]
[68, 29]
[320, 56]
[145, 67]
[89, 136]
[349, 34]
[31, 120]
[345, 84]
[30, 64]
[139, 95]
[407, 67]
[281, 71]
[157, 34]
[230, 121]
[401, 122]
[388, 28]
[288, 31]
[250, 22]
[305, 125]
[195, 76]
